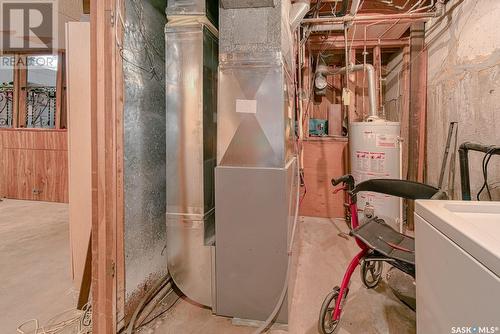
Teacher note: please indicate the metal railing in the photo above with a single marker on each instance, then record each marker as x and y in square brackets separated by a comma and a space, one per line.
[40, 107]
[6, 106]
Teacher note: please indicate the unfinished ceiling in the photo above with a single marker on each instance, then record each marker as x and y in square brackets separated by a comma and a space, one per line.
[372, 6]
[390, 35]
[383, 32]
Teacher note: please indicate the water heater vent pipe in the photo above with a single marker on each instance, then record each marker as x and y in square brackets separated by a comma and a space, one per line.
[372, 88]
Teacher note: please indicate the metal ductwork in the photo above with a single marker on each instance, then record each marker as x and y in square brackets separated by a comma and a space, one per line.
[191, 131]
[200, 8]
[372, 87]
[191, 107]
[255, 159]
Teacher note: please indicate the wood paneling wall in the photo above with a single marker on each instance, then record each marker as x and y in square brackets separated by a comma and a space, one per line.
[323, 160]
[34, 164]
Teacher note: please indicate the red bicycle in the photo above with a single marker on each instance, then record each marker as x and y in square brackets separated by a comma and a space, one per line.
[378, 243]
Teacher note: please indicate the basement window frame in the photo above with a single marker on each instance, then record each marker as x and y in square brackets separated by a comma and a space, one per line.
[19, 96]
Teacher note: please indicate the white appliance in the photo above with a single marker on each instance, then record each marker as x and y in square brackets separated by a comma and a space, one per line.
[458, 267]
[375, 154]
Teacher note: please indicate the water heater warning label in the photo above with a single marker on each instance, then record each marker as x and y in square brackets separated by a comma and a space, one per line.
[368, 135]
[387, 141]
[373, 162]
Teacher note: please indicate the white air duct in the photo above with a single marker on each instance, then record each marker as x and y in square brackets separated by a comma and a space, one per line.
[297, 12]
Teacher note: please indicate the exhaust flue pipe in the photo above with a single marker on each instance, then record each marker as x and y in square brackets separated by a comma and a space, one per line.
[372, 88]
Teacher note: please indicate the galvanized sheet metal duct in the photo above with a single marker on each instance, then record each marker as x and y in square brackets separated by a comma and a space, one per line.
[208, 8]
[191, 86]
[144, 149]
[258, 34]
[255, 172]
[254, 122]
[256, 87]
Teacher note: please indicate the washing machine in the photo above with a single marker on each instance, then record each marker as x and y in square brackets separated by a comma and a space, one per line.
[457, 248]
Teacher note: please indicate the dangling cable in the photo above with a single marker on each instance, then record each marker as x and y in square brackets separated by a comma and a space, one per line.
[486, 161]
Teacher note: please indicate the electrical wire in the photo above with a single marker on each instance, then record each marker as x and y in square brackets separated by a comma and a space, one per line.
[157, 287]
[80, 322]
[485, 183]
[168, 308]
[453, 40]
[154, 302]
[303, 184]
[138, 9]
[141, 317]
[486, 160]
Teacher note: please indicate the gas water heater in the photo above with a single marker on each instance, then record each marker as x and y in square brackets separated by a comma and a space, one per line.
[375, 154]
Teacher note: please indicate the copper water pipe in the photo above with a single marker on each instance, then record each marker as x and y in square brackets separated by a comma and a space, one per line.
[376, 17]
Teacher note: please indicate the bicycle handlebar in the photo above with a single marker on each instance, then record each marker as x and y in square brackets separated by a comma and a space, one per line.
[346, 179]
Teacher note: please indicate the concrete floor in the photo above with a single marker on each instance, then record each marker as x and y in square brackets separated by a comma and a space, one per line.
[35, 279]
[323, 256]
[35, 270]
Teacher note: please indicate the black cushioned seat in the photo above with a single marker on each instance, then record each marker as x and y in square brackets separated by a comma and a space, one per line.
[385, 240]
[399, 188]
